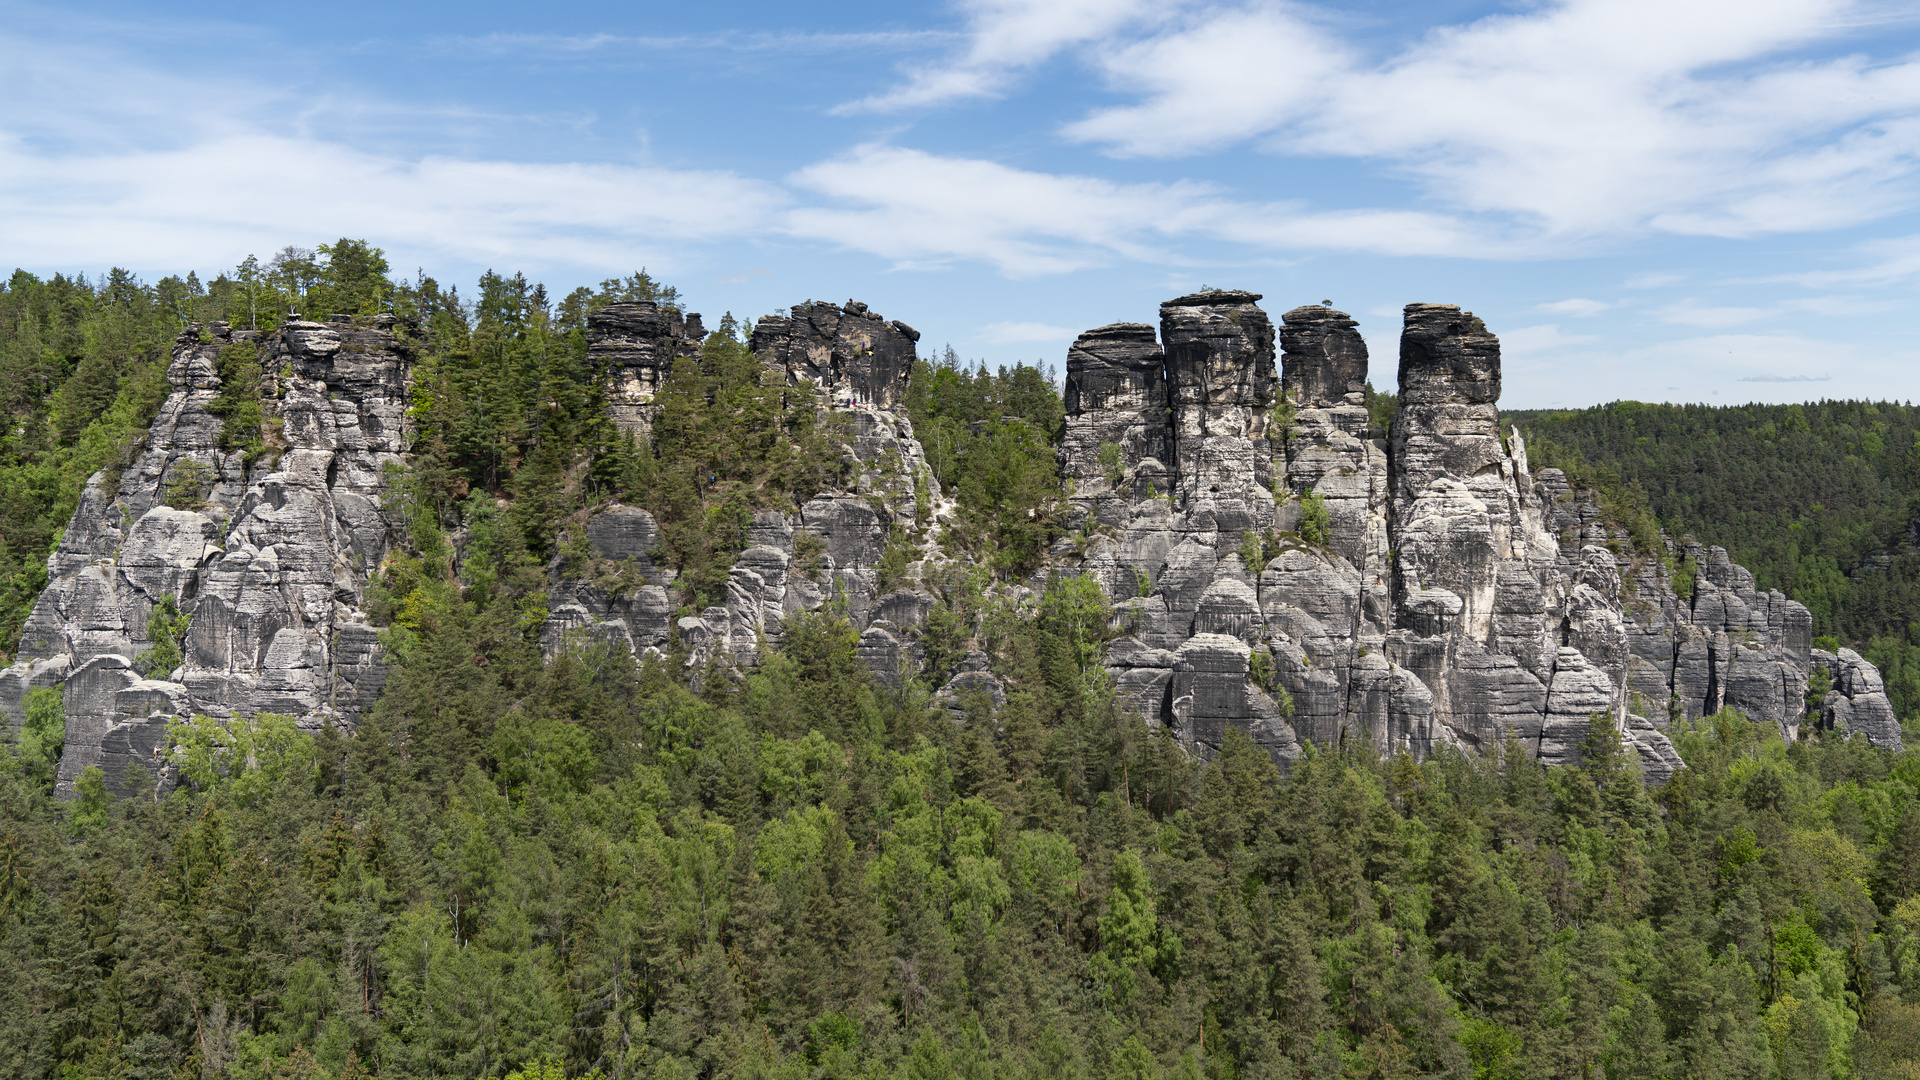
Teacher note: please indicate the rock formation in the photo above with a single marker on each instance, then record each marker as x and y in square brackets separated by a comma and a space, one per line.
[1274, 560]
[635, 345]
[850, 353]
[269, 557]
[833, 546]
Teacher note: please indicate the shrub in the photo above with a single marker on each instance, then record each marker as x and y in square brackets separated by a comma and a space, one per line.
[167, 629]
[1316, 525]
[188, 483]
[238, 405]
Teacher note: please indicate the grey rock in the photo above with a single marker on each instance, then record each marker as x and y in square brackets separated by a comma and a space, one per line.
[635, 345]
[849, 353]
[1115, 393]
[1325, 358]
[271, 561]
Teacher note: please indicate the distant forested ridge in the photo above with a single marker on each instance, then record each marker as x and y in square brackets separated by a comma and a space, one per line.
[1820, 500]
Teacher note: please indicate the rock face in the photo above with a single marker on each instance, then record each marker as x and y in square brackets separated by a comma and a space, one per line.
[1448, 598]
[1275, 561]
[832, 547]
[269, 557]
[853, 355]
[635, 345]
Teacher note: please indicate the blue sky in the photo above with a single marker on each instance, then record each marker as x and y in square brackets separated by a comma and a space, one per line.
[1683, 201]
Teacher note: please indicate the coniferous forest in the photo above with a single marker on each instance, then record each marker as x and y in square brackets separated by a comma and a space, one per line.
[586, 866]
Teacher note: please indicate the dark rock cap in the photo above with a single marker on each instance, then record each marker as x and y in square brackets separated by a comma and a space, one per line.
[1213, 298]
[1324, 358]
[1119, 360]
[1447, 357]
[849, 352]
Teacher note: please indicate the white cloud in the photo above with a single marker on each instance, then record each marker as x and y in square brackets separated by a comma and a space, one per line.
[1571, 120]
[521, 45]
[1011, 333]
[1888, 261]
[925, 210]
[210, 203]
[1005, 37]
[1690, 313]
[1579, 307]
[1234, 74]
[1526, 342]
[922, 210]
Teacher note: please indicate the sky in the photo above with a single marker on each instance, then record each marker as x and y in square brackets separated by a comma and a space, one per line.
[1689, 200]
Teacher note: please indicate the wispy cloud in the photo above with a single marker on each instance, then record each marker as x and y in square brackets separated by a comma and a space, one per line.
[198, 206]
[1786, 378]
[922, 210]
[1690, 313]
[1003, 39]
[1564, 119]
[1578, 307]
[587, 45]
[1525, 341]
[1013, 333]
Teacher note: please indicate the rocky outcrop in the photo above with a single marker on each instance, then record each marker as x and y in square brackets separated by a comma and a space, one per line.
[633, 346]
[1447, 597]
[828, 550]
[1116, 399]
[1857, 701]
[852, 355]
[268, 556]
[1274, 561]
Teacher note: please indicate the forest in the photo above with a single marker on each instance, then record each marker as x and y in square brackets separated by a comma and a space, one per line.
[589, 867]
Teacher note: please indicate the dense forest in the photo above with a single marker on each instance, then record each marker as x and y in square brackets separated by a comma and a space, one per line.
[519, 867]
[1820, 500]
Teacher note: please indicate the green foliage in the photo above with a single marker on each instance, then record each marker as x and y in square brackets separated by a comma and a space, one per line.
[43, 735]
[1285, 416]
[1316, 524]
[244, 758]
[1683, 577]
[989, 439]
[728, 440]
[894, 558]
[167, 628]
[556, 868]
[528, 867]
[808, 552]
[188, 482]
[1251, 550]
[82, 372]
[1381, 408]
[238, 403]
[1113, 466]
[89, 813]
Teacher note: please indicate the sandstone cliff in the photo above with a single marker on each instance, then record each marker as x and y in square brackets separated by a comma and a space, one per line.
[268, 557]
[1274, 561]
